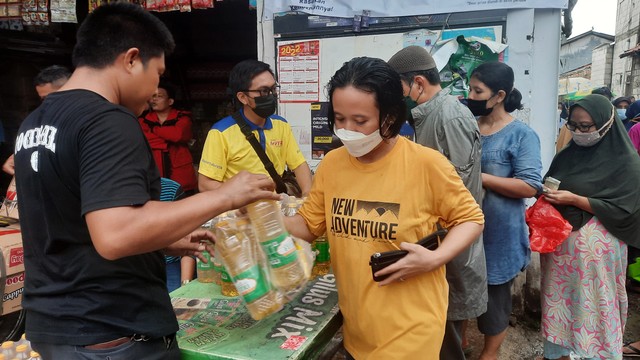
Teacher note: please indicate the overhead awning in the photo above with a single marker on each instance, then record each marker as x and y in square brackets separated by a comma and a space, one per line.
[631, 52]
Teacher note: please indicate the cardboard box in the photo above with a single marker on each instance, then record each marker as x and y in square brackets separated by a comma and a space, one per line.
[12, 269]
[9, 207]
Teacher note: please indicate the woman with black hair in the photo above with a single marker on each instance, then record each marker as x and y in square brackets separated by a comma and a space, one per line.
[382, 192]
[511, 173]
[584, 302]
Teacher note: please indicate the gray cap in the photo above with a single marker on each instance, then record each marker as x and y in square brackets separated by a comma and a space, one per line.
[411, 59]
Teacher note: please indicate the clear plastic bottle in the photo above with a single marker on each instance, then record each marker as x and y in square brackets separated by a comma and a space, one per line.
[23, 340]
[291, 208]
[323, 259]
[248, 277]
[217, 270]
[8, 349]
[34, 356]
[228, 288]
[206, 272]
[22, 352]
[282, 255]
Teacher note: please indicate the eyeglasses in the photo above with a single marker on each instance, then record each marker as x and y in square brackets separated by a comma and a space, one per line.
[265, 91]
[582, 127]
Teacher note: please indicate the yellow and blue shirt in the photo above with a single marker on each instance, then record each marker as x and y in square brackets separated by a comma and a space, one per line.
[226, 151]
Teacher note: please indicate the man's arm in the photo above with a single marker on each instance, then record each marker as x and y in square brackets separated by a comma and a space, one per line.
[129, 230]
[303, 176]
[9, 166]
[206, 183]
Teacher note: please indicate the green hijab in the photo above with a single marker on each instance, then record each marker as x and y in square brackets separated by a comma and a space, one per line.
[607, 173]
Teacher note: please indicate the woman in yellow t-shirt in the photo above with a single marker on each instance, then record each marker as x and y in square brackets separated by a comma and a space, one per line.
[378, 193]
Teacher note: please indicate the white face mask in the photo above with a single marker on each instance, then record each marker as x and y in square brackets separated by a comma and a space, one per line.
[591, 138]
[358, 144]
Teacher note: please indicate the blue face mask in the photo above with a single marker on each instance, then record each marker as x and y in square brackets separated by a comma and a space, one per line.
[622, 113]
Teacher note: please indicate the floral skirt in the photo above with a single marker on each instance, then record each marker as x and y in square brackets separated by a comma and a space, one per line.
[584, 300]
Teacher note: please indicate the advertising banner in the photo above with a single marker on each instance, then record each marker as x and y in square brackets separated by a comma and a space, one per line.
[385, 8]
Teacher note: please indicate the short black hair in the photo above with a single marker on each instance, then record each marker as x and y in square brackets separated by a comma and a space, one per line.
[604, 91]
[51, 74]
[499, 76]
[377, 77]
[432, 76]
[116, 27]
[242, 74]
[168, 87]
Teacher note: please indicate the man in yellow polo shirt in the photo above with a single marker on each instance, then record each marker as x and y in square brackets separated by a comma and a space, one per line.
[226, 150]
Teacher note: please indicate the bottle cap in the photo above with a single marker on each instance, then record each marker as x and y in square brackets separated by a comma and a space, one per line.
[21, 348]
[7, 344]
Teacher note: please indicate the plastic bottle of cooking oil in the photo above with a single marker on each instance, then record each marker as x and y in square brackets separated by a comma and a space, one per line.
[217, 269]
[251, 282]
[206, 272]
[323, 261]
[8, 349]
[22, 352]
[228, 288]
[281, 252]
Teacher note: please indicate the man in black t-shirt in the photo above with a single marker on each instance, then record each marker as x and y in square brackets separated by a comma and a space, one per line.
[91, 221]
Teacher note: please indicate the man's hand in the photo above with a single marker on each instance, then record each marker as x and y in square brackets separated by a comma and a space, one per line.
[245, 188]
[193, 245]
[9, 166]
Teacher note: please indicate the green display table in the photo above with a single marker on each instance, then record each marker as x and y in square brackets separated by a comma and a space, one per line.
[213, 326]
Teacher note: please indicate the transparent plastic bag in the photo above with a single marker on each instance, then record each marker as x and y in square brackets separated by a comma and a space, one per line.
[244, 262]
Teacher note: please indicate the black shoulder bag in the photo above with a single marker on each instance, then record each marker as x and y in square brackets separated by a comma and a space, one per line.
[281, 186]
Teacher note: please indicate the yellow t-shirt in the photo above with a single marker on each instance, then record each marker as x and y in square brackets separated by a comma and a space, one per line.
[226, 151]
[362, 207]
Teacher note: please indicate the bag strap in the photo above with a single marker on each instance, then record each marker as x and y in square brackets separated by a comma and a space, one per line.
[248, 134]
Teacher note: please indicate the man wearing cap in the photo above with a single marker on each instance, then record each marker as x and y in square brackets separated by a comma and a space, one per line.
[444, 124]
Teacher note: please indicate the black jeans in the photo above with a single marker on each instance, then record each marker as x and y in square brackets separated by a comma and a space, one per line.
[152, 349]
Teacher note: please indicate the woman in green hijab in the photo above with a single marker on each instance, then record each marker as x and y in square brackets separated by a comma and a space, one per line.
[584, 301]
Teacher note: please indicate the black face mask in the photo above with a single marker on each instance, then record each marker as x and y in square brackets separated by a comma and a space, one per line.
[478, 107]
[265, 105]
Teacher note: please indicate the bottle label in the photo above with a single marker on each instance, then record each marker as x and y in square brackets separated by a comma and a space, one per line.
[280, 251]
[205, 266]
[251, 284]
[322, 251]
[224, 275]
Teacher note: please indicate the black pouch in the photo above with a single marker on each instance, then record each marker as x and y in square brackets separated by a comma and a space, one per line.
[381, 260]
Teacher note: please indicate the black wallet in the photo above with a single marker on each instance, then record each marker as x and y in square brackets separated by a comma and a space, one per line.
[381, 260]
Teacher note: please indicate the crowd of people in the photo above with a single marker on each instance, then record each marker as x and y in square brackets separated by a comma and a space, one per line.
[111, 203]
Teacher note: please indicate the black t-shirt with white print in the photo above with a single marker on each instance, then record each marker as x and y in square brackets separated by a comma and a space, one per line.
[75, 154]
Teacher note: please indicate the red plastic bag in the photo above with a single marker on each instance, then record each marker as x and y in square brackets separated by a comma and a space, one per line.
[547, 227]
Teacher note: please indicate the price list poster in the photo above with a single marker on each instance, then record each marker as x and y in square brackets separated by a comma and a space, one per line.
[299, 72]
